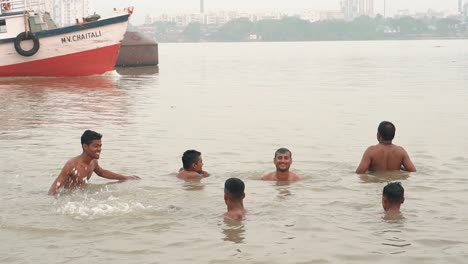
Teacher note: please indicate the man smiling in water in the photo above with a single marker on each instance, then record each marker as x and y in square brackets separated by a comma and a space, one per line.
[78, 170]
[282, 161]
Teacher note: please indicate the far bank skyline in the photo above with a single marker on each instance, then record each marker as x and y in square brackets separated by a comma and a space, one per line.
[157, 7]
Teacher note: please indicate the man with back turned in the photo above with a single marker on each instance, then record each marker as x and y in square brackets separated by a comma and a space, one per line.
[233, 197]
[385, 156]
[393, 196]
[78, 170]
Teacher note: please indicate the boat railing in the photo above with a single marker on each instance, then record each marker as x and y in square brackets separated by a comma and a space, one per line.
[14, 6]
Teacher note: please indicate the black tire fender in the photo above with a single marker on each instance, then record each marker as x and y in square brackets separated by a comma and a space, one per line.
[26, 36]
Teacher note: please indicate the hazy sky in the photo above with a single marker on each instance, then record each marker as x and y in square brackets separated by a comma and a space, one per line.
[157, 7]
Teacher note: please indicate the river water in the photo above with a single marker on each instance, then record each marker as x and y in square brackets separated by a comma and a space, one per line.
[237, 103]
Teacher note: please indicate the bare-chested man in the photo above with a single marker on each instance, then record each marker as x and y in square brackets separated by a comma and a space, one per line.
[282, 161]
[385, 156]
[192, 166]
[393, 196]
[234, 198]
[78, 170]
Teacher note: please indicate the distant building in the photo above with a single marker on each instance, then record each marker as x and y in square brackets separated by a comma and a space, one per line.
[349, 9]
[431, 13]
[355, 8]
[222, 17]
[65, 12]
[463, 7]
[402, 13]
[366, 8]
[149, 20]
[330, 15]
[202, 6]
[310, 16]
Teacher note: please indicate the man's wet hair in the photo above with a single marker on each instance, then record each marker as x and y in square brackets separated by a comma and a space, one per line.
[394, 192]
[386, 130]
[88, 137]
[234, 187]
[190, 157]
[283, 151]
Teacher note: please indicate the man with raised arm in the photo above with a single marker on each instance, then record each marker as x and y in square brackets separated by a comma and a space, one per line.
[393, 196]
[192, 166]
[78, 170]
[233, 197]
[385, 156]
[282, 161]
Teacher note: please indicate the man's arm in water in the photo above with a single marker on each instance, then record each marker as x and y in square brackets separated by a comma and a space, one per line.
[112, 175]
[61, 179]
[407, 163]
[365, 162]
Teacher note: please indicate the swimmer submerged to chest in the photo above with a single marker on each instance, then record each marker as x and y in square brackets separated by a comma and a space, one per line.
[192, 163]
[385, 156]
[282, 161]
[78, 170]
[234, 198]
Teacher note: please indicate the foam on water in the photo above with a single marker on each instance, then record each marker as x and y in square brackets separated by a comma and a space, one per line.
[95, 208]
[99, 200]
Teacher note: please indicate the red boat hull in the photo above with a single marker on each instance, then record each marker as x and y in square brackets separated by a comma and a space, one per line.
[76, 64]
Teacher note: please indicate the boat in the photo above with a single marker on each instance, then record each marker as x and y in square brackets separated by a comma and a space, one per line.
[137, 50]
[32, 45]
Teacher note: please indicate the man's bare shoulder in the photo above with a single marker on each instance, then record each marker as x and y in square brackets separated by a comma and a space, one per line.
[269, 177]
[294, 177]
[186, 175]
[78, 160]
[400, 148]
[394, 149]
[291, 176]
[373, 148]
[237, 215]
[375, 151]
[72, 162]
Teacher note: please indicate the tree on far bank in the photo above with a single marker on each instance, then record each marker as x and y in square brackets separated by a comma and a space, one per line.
[193, 32]
[235, 30]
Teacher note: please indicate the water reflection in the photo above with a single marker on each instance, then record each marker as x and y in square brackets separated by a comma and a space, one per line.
[382, 177]
[135, 71]
[89, 189]
[31, 102]
[32, 83]
[393, 218]
[193, 185]
[393, 241]
[283, 189]
[233, 231]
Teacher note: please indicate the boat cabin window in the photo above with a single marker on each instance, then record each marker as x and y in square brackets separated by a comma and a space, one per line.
[2, 26]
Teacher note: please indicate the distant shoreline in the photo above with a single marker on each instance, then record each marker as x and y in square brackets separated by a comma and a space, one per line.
[325, 40]
[296, 29]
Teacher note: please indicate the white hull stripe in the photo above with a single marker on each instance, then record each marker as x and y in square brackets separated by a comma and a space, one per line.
[74, 28]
